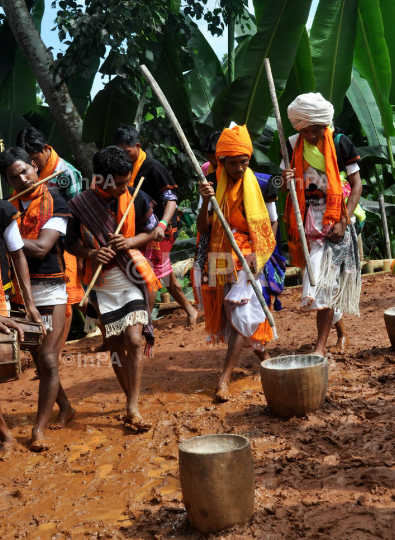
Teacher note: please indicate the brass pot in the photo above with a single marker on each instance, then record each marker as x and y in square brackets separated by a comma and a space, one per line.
[217, 481]
[294, 385]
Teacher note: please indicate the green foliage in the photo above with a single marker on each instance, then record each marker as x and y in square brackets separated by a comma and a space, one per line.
[332, 45]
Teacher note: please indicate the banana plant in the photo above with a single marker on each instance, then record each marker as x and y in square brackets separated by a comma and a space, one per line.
[332, 40]
[371, 58]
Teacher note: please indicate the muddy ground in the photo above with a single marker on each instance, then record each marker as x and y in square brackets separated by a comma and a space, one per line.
[330, 475]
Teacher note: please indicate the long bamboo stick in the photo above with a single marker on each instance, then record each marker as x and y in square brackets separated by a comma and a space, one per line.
[292, 183]
[177, 128]
[385, 226]
[34, 186]
[99, 269]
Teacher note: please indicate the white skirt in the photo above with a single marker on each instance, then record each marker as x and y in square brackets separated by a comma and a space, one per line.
[121, 304]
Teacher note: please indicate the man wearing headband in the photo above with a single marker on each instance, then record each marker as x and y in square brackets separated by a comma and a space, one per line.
[320, 159]
[232, 310]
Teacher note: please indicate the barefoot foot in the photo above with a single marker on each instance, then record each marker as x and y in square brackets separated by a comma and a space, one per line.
[342, 343]
[38, 443]
[63, 418]
[222, 393]
[135, 420]
[6, 448]
[192, 318]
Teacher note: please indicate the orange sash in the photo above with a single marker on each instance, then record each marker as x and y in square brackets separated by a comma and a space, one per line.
[335, 204]
[3, 301]
[39, 211]
[136, 166]
[50, 166]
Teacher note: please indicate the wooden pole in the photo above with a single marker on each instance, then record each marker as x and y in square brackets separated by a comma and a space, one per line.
[34, 186]
[292, 183]
[99, 269]
[385, 226]
[177, 128]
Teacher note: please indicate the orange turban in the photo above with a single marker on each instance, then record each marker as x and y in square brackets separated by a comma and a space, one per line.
[234, 142]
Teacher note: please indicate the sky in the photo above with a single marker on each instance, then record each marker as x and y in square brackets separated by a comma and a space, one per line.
[219, 44]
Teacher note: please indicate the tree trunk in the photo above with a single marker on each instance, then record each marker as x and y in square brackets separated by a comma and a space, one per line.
[56, 93]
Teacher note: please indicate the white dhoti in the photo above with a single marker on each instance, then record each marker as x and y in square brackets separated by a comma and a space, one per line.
[48, 296]
[121, 304]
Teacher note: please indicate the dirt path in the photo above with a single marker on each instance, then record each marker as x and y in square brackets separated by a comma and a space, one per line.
[330, 475]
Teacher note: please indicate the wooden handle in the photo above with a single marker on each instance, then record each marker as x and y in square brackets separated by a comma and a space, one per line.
[181, 135]
[99, 269]
[292, 183]
[34, 186]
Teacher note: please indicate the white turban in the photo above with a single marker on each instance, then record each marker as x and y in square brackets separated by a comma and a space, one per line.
[310, 109]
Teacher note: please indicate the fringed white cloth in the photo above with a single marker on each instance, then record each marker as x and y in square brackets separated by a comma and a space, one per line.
[121, 304]
[49, 295]
[336, 269]
[310, 109]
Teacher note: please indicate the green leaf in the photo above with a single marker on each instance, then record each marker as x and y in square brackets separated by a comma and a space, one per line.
[378, 153]
[300, 81]
[18, 90]
[11, 123]
[80, 87]
[387, 8]
[366, 109]
[332, 41]
[169, 75]
[279, 29]
[206, 80]
[372, 60]
[175, 6]
[110, 108]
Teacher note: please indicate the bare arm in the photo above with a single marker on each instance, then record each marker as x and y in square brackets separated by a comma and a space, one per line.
[170, 208]
[202, 221]
[339, 229]
[102, 255]
[40, 247]
[22, 271]
[118, 241]
[274, 228]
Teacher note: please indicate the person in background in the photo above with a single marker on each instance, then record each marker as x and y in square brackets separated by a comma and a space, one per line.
[160, 186]
[209, 145]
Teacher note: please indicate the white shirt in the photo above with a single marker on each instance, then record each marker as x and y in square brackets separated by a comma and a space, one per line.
[12, 237]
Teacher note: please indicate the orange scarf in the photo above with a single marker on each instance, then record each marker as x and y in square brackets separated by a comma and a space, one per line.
[136, 166]
[335, 204]
[128, 230]
[39, 211]
[50, 166]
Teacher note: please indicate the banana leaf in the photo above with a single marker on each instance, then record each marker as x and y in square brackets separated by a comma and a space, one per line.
[300, 81]
[332, 39]
[18, 90]
[206, 80]
[366, 109]
[280, 26]
[110, 108]
[387, 8]
[11, 123]
[372, 60]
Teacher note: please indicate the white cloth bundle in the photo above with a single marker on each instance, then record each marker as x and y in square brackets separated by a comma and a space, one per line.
[310, 109]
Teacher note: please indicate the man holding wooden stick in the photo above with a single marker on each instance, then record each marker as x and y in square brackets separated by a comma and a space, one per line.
[119, 297]
[68, 185]
[42, 221]
[231, 307]
[319, 157]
